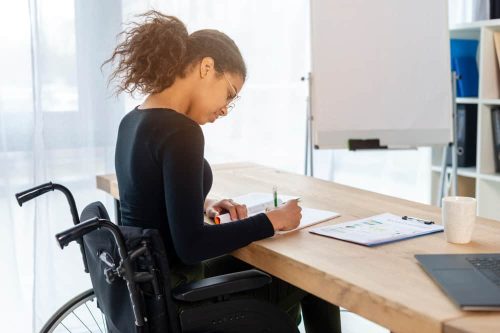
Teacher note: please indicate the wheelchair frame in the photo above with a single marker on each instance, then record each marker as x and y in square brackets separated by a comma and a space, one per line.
[218, 287]
[123, 270]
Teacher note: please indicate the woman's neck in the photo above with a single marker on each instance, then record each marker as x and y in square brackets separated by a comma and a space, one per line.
[176, 97]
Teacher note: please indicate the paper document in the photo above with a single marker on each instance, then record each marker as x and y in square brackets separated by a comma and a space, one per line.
[376, 230]
[258, 202]
[311, 216]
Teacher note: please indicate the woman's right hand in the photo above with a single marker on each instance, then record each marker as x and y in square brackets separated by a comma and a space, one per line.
[285, 217]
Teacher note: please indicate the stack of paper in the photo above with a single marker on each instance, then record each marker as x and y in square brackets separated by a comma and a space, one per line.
[257, 202]
[311, 216]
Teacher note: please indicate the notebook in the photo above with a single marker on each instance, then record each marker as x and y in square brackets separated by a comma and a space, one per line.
[258, 202]
[377, 230]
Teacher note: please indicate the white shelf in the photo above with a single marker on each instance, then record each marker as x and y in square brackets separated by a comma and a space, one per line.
[475, 25]
[481, 181]
[467, 100]
[490, 101]
[470, 172]
[495, 177]
[472, 100]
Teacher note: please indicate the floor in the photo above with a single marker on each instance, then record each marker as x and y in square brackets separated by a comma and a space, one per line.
[352, 323]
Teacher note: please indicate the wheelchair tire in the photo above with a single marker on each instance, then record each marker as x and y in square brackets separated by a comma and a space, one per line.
[80, 314]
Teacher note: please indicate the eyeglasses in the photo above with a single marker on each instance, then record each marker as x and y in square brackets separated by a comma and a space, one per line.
[230, 105]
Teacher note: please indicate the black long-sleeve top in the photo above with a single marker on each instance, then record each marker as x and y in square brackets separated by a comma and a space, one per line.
[163, 181]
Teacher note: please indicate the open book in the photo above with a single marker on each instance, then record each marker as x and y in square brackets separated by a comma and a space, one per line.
[258, 202]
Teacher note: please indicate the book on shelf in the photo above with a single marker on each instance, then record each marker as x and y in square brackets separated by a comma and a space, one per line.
[466, 136]
[468, 77]
[494, 9]
[495, 124]
[496, 38]
[463, 62]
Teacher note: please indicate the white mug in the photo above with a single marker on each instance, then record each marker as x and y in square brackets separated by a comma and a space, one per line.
[459, 217]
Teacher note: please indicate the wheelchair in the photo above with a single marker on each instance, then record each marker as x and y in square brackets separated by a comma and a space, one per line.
[131, 291]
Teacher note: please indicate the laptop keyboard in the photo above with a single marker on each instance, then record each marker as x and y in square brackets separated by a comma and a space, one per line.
[489, 267]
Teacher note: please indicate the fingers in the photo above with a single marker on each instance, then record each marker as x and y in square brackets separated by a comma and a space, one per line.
[293, 215]
[293, 206]
[293, 202]
[229, 207]
[299, 215]
[242, 211]
[212, 212]
[235, 210]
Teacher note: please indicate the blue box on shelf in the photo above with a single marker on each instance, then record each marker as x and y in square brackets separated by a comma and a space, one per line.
[463, 62]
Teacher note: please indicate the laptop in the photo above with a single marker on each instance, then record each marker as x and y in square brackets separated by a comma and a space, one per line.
[472, 281]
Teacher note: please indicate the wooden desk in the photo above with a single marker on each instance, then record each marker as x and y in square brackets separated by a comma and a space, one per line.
[480, 323]
[384, 284]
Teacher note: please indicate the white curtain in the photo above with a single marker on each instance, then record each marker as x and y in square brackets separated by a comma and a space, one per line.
[58, 122]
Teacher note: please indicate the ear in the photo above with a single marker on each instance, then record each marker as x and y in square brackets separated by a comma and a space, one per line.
[207, 65]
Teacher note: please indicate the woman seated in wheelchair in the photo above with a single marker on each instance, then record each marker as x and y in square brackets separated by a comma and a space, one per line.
[190, 80]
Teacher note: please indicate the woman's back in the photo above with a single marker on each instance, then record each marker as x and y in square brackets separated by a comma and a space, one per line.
[164, 180]
[143, 138]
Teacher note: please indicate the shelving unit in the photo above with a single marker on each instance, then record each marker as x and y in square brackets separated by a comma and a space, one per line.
[480, 181]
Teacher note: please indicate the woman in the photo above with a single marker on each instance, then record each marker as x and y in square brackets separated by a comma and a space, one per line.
[189, 80]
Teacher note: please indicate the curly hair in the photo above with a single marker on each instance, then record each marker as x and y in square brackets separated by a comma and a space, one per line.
[153, 53]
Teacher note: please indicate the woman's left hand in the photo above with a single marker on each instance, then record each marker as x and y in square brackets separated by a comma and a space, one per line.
[235, 210]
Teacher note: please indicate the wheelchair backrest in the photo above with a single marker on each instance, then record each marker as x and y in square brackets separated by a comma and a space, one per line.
[111, 290]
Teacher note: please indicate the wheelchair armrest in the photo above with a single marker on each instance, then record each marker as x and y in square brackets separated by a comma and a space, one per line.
[221, 285]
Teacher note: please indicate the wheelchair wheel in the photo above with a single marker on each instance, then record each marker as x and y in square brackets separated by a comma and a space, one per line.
[79, 314]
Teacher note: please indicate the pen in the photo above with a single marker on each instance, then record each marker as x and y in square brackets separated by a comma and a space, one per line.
[417, 219]
[275, 196]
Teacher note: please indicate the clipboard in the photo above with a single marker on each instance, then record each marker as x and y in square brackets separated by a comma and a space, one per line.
[377, 230]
